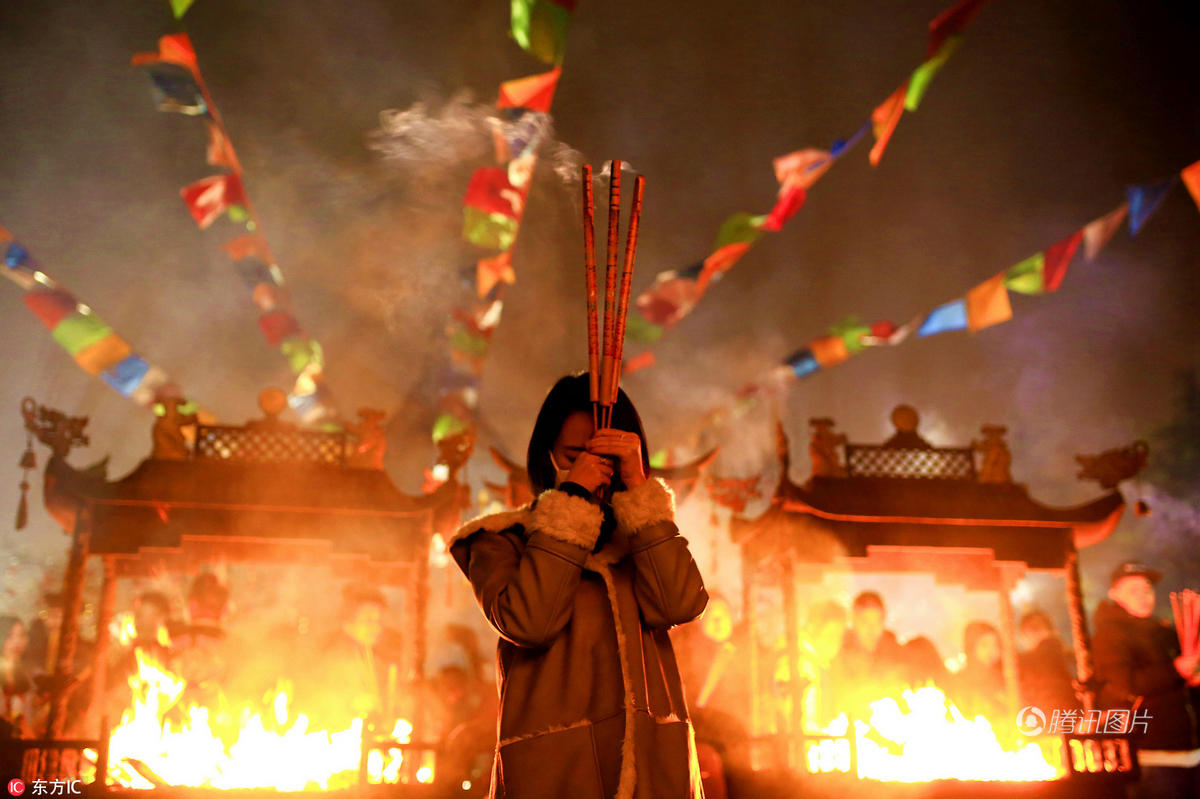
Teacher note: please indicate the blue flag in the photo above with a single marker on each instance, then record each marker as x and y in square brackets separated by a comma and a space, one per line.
[1144, 201]
[944, 318]
[803, 362]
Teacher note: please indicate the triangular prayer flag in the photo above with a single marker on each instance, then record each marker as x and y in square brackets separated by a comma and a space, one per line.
[535, 92]
[126, 375]
[540, 28]
[51, 306]
[842, 146]
[1097, 232]
[207, 199]
[719, 262]
[1191, 179]
[641, 330]
[945, 318]
[220, 151]
[643, 360]
[851, 331]
[490, 230]
[79, 331]
[248, 246]
[923, 75]
[1027, 277]
[180, 7]
[1058, 258]
[175, 89]
[278, 325]
[490, 191]
[951, 22]
[790, 201]
[302, 353]
[739, 228]
[987, 304]
[802, 168]
[829, 350]
[490, 271]
[1144, 201]
[101, 355]
[669, 299]
[175, 48]
[15, 255]
[802, 362]
[266, 297]
[884, 120]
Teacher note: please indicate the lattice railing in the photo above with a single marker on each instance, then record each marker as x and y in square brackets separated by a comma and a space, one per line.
[863, 460]
[269, 445]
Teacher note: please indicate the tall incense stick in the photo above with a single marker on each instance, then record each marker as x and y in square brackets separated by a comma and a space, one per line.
[631, 237]
[610, 282]
[589, 265]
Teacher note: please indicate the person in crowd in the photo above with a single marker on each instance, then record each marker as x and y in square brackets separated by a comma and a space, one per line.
[1045, 679]
[351, 679]
[923, 665]
[200, 647]
[1140, 668]
[43, 635]
[978, 688]
[870, 664]
[582, 587]
[16, 686]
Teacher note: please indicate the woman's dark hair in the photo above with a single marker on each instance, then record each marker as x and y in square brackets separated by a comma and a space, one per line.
[571, 394]
[975, 631]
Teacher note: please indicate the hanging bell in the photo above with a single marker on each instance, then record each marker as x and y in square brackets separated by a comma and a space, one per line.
[28, 459]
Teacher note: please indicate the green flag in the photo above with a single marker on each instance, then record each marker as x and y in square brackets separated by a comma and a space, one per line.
[495, 231]
[922, 75]
[1027, 277]
[740, 228]
[180, 7]
[540, 28]
[79, 330]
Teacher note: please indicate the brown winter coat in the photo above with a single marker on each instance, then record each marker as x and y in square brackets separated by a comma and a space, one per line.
[584, 655]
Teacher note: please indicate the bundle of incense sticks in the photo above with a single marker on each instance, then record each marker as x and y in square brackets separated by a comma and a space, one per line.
[1186, 607]
[604, 364]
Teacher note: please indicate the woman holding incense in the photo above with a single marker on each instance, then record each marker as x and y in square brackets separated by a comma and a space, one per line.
[582, 586]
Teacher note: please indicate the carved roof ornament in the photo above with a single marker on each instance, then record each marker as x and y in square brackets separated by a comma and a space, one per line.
[170, 440]
[371, 445]
[906, 420]
[1114, 465]
[54, 428]
[996, 456]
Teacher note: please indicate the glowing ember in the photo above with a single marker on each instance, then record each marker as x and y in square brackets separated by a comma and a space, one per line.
[161, 742]
[923, 737]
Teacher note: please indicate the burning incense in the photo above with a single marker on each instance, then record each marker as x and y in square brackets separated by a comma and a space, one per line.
[631, 236]
[589, 264]
[1186, 608]
[610, 287]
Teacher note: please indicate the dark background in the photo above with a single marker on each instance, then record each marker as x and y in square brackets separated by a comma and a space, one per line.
[1033, 128]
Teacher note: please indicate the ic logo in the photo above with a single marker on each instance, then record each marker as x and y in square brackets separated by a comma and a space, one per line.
[16, 787]
[1031, 720]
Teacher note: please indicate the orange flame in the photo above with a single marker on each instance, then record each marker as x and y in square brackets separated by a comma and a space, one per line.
[922, 737]
[281, 752]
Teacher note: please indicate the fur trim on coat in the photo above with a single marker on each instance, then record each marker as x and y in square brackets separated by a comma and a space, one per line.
[650, 503]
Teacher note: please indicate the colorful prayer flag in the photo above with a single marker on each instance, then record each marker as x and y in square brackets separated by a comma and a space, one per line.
[173, 49]
[988, 304]
[175, 89]
[303, 353]
[951, 22]
[207, 199]
[101, 355]
[852, 332]
[491, 191]
[180, 7]
[739, 228]
[829, 350]
[220, 151]
[51, 306]
[884, 120]
[669, 299]
[1058, 258]
[79, 331]
[278, 325]
[720, 262]
[540, 27]
[642, 360]
[535, 92]
[126, 375]
[790, 201]
[802, 362]
[491, 230]
[490, 271]
[802, 168]
[1144, 201]
[944, 318]
[923, 75]
[1097, 233]
[1191, 179]
[1027, 277]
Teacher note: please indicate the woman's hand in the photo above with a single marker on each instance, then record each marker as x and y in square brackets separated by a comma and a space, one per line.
[591, 471]
[626, 448]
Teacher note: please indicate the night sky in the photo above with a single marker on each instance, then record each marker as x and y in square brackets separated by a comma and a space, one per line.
[1034, 127]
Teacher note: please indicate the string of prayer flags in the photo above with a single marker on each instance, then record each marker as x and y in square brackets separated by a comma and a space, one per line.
[670, 297]
[1097, 233]
[87, 338]
[540, 27]
[178, 86]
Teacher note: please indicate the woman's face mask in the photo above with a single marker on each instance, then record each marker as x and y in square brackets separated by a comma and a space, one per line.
[560, 474]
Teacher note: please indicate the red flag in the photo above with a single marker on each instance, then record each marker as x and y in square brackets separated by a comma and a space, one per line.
[174, 49]
[950, 22]
[790, 201]
[1191, 179]
[207, 199]
[802, 168]
[220, 151]
[249, 246]
[278, 325]
[1058, 258]
[535, 92]
[491, 191]
[884, 120]
[642, 360]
